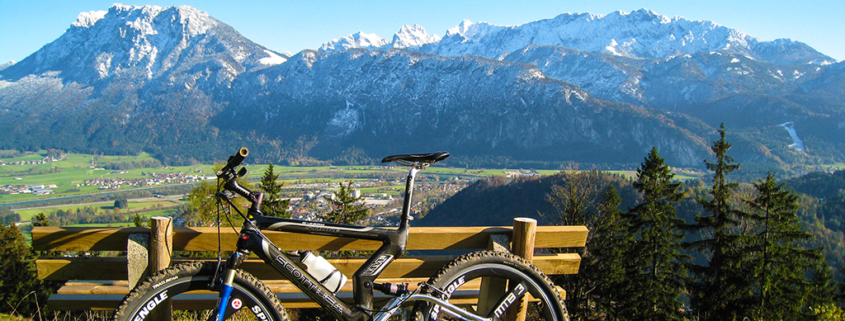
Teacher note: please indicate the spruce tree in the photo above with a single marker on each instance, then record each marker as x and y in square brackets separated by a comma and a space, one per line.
[605, 256]
[273, 205]
[721, 290]
[655, 267]
[40, 219]
[780, 262]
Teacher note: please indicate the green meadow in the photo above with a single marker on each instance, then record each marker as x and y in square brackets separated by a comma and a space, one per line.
[101, 208]
[69, 175]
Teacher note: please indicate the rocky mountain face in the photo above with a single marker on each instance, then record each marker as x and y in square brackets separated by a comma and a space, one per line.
[642, 34]
[588, 88]
[396, 100]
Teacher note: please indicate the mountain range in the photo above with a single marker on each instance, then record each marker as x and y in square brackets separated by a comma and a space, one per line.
[600, 89]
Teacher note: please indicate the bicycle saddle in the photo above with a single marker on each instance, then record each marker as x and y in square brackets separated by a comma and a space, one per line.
[429, 158]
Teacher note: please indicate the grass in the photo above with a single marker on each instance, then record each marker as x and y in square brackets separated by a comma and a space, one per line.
[837, 166]
[101, 208]
[7, 317]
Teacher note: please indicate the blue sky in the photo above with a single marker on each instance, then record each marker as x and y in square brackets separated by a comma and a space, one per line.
[291, 26]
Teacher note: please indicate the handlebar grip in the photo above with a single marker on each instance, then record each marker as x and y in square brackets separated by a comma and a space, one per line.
[238, 158]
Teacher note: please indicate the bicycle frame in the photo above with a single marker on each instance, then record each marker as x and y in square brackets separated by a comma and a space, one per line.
[251, 239]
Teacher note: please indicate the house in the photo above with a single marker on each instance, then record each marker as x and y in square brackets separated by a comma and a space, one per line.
[42, 192]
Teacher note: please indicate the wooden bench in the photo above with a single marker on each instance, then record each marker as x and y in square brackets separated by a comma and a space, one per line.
[100, 283]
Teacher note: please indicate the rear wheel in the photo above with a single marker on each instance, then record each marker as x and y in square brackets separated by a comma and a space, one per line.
[249, 295]
[506, 277]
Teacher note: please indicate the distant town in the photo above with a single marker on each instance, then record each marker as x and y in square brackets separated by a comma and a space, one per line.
[152, 179]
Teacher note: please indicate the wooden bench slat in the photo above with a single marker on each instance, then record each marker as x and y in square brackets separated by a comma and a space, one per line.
[277, 286]
[104, 296]
[206, 301]
[49, 238]
[406, 267]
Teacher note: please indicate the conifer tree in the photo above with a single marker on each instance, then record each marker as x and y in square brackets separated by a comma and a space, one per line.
[655, 267]
[721, 290]
[40, 219]
[273, 205]
[344, 207]
[780, 262]
[606, 249]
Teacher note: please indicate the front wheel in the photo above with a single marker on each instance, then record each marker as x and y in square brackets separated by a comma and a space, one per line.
[249, 295]
[505, 277]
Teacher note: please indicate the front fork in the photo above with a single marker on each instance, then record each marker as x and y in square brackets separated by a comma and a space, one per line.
[228, 277]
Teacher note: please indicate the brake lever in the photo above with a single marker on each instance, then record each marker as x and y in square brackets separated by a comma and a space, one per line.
[226, 194]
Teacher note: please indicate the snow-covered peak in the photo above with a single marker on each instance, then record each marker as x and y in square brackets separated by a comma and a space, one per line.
[460, 29]
[191, 21]
[469, 29]
[355, 40]
[412, 36]
[88, 19]
[145, 41]
[642, 14]
[641, 34]
[6, 65]
[272, 59]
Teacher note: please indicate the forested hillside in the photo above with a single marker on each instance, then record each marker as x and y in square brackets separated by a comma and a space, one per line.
[756, 243]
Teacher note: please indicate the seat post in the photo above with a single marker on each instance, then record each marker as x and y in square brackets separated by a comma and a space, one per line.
[409, 193]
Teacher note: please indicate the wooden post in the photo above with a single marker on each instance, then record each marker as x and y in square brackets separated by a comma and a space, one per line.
[137, 258]
[524, 234]
[491, 289]
[161, 250]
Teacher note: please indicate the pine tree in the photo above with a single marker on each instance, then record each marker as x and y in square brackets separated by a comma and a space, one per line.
[273, 205]
[40, 219]
[606, 248]
[721, 290]
[781, 263]
[344, 207]
[655, 267]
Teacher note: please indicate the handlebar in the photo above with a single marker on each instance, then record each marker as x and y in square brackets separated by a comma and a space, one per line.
[237, 159]
[227, 173]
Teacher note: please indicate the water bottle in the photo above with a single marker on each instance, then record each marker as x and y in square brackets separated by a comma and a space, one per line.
[324, 272]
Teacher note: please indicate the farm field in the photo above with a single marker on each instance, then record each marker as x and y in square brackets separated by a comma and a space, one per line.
[102, 207]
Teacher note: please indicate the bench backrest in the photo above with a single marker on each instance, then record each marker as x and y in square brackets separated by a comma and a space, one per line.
[205, 239]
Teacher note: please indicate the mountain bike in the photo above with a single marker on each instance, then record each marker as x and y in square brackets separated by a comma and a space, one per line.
[240, 292]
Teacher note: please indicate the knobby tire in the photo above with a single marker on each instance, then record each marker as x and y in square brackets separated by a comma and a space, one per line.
[508, 270]
[248, 296]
